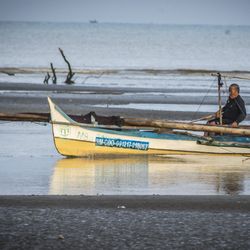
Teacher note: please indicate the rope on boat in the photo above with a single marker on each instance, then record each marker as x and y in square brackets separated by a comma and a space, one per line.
[205, 96]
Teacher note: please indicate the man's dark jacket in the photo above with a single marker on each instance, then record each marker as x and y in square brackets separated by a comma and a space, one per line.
[234, 110]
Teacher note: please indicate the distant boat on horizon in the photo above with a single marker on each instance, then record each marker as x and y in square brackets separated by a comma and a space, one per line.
[93, 21]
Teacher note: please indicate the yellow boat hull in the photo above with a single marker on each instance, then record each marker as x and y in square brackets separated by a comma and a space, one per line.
[68, 147]
[75, 148]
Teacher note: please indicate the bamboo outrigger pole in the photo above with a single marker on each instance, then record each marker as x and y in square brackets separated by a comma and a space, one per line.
[185, 126]
[28, 117]
[134, 122]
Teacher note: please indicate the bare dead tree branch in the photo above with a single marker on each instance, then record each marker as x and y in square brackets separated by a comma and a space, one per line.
[70, 73]
[46, 78]
[54, 79]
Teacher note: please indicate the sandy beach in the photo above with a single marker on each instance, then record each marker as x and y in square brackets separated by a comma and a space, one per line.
[124, 222]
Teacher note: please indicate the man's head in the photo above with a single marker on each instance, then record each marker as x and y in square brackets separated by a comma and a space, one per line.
[234, 90]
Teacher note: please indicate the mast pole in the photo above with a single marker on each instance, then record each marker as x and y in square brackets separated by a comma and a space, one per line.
[219, 96]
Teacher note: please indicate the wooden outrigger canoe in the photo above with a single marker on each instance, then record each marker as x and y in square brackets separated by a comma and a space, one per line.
[76, 139]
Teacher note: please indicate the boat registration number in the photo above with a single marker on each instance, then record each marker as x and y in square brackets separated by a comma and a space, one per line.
[119, 143]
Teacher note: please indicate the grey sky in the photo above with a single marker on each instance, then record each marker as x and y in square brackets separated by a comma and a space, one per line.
[225, 12]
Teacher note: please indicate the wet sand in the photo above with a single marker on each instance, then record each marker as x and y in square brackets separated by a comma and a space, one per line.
[82, 103]
[159, 202]
[122, 101]
[124, 222]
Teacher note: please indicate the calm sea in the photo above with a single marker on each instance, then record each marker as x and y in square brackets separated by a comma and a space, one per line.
[125, 46]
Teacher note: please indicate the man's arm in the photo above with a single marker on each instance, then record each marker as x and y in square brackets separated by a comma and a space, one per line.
[241, 105]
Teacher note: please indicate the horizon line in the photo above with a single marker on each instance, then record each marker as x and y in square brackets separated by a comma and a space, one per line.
[122, 23]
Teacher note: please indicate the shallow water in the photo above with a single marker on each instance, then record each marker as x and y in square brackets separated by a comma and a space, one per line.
[125, 45]
[29, 164]
[125, 49]
[150, 175]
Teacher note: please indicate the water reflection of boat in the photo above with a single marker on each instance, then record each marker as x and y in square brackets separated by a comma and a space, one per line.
[149, 175]
[90, 176]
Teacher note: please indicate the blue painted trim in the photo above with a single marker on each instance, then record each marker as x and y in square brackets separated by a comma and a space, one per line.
[147, 134]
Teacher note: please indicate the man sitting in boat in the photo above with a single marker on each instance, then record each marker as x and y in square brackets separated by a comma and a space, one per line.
[234, 111]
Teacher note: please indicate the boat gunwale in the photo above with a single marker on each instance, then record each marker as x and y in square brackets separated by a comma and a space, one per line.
[111, 130]
[96, 126]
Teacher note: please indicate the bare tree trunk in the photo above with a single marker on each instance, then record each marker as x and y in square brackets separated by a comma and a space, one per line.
[46, 78]
[70, 73]
[54, 79]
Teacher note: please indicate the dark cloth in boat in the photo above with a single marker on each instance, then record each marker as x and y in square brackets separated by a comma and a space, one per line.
[102, 120]
[233, 111]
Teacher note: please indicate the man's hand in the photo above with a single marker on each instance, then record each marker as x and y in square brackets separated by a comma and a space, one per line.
[217, 114]
[234, 125]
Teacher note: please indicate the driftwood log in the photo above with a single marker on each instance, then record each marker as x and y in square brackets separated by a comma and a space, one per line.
[70, 73]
